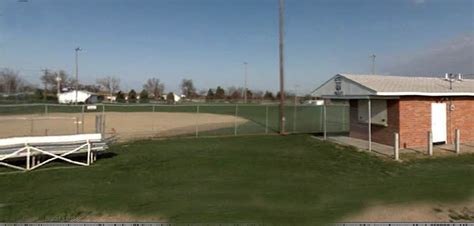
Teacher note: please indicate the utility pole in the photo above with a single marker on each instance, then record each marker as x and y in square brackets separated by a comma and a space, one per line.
[282, 67]
[58, 84]
[77, 72]
[373, 63]
[46, 73]
[245, 82]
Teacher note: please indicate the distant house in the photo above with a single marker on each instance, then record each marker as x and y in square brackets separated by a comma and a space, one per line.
[409, 106]
[84, 97]
[176, 97]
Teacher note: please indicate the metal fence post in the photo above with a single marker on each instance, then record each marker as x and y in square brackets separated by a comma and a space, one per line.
[77, 125]
[457, 144]
[82, 120]
[197, 121]
[294, 118]
[235, 119]
[45, 109]
[325, 123]
[430, 143]
[266, 119]
[396, 146]
[343, 118]
[153, 108]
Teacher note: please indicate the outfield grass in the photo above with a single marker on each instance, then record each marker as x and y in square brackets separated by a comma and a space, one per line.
[271, 179]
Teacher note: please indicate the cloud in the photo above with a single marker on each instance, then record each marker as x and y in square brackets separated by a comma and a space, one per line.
[454, 56]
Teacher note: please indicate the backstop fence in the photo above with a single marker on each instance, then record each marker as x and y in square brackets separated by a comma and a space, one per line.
[132, 121]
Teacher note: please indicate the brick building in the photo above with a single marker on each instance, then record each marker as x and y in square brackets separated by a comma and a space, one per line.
[409, 106]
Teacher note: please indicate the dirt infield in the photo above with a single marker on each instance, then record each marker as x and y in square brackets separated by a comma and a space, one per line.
[126, 125]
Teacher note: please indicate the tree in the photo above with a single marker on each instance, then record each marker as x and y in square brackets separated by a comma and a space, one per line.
[144, 95]
[155, 87]
[235, 95]
[220, 93]
[210, 95]
[187, 88]
[109, 84]
[120, 96]
[258, 95]
[170, 98]
[50, 82]
[249, 95]
[268, 96]
[132, 95]
[234, 92]
[10, 81]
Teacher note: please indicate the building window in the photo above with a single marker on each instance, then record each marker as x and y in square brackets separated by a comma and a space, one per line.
[378, 109]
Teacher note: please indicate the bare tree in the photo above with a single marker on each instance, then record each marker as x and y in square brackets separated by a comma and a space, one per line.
[10, 81]
[155, 87]
[50, 82]
[109, 84]
[187, 88]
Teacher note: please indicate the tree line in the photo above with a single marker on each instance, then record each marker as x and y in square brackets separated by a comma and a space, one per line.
[11, 83]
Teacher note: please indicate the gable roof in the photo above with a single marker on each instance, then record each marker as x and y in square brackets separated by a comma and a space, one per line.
[384, 85]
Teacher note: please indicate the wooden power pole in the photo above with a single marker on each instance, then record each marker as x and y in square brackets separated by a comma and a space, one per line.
[282, 67]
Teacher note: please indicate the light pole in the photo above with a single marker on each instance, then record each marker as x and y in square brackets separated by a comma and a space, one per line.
[77, 71]
[282, 66]
[373, 63]
[245, 82]
[58, 84]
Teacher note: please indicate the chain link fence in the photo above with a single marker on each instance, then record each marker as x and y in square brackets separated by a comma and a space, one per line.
[132, 121]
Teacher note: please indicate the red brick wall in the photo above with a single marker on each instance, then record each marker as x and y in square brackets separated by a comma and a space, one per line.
[380, 134]
[415, 119]
[411, 118]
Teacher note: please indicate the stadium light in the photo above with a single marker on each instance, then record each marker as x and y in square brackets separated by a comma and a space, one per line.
[77, 71]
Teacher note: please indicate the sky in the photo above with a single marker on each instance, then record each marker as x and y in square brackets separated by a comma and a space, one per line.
[208, 40]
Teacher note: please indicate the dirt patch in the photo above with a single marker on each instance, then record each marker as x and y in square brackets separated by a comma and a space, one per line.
[125, 125]
[419, 212]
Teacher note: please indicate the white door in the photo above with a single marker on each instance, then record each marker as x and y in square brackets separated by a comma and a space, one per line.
[438, 122]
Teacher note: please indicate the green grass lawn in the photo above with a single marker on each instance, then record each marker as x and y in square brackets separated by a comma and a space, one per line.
[266, 179]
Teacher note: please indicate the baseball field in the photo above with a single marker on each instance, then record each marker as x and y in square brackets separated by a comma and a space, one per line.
[128, 122]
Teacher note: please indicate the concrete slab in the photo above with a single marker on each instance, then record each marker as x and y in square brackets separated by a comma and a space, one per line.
[388, 151]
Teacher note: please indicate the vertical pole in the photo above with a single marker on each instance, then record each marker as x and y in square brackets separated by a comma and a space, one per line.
[457, 143]
[82, 120]
[235, 119]
[103, 121]
[88, 152]
[321, 118]
[153, 108]
[430, 145]
[343, 118]
[325, 120]
[197, 120]
[32, 129]
[77, 125]
[45, 109]
[396, 146]
[282, 66]
[294, 116]
[245, 83]
[266, 119]
[27, 156]
[369, 106]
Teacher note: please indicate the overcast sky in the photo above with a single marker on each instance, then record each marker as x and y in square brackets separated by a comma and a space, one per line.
[208, 40]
